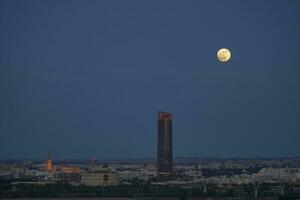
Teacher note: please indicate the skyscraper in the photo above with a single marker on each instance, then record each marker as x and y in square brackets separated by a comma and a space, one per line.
[164, 146]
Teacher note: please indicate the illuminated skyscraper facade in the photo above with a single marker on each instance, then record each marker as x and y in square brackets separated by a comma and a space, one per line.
[164, 146]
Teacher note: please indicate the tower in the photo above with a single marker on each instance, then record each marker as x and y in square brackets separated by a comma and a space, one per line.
[93, 162]
[164, 146]
[48, 164]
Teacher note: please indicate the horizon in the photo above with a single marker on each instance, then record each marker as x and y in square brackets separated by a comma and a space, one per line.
[150, 158]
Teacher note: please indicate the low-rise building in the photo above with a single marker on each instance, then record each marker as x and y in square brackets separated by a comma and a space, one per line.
[100, 177]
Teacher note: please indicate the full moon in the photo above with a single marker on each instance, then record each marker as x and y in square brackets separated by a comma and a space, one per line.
[223, 55]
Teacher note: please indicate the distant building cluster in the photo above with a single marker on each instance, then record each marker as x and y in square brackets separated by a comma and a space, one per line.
[206, 174]
[48, 173]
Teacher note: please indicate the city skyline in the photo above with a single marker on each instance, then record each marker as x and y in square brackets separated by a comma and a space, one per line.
[86, 79]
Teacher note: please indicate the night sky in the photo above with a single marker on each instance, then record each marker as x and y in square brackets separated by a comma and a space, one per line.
[84, 79]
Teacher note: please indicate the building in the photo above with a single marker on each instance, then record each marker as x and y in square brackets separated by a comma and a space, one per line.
[164, 146]
[100, 177]
[70, 174]
[280, 172]
[48, 164]
[6, 171]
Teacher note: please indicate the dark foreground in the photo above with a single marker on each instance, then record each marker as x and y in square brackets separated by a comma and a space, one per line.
[150, 198]
[146, 191]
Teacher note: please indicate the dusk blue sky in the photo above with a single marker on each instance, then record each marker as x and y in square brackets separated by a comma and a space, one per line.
[84, 79]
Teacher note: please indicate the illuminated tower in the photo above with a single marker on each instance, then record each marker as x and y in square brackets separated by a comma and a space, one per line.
[93, 162]
[48, 164]
[164, 146]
